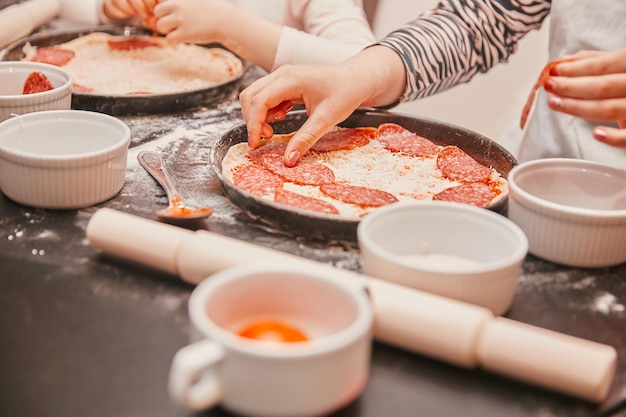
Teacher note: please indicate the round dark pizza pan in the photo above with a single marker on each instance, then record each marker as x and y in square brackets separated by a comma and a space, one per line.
[127, 105]
[326, 227]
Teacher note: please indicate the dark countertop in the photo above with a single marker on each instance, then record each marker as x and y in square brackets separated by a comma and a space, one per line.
[87, 335]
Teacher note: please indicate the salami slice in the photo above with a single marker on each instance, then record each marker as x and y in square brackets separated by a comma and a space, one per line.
[36, 82]
[475, 193]
[257, 180]
[541, 81]
[131, 43]
[455, 164]
[289, 198]
[53, 55]
[395, 138]
[344, 139]
[278, 148]
[362, 196]
[306, 173]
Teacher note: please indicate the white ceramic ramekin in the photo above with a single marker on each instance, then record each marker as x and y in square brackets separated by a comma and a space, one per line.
[450, 249]
[13, 74]
[573, 211]
[63, 159]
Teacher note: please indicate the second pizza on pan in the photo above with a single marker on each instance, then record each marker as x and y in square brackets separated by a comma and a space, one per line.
[111, 65]
[352, 171]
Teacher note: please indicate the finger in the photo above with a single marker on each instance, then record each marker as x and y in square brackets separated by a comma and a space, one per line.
[310, 132]
[247, 95]
[163, 8]
[275, 114]
[256, 133]
[255, 116]
[255, 90]
[119, 9]
[596, 63]
[588, 87]
[610, 135]
[256, 102]
[609, 110]
[168, 25]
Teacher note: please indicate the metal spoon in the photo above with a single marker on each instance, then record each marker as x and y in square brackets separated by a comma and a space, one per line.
[176, 210]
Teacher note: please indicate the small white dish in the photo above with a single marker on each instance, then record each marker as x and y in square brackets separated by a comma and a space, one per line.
[573, 211]
[450, 249]
[247, 359]
[13, 74]
[63, 159]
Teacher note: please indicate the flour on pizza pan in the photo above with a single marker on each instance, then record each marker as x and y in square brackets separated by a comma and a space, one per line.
[407, 177]
[161, 69]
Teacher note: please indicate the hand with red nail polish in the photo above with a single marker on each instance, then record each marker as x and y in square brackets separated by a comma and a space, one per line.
[593, 87]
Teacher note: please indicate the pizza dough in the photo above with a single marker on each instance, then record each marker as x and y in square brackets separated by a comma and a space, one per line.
[356, 170]
[104, 64]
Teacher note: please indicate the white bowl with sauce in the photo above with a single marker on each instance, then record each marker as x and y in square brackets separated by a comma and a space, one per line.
[450, 249]
[63, 159]
[13, 75]
[573, 211]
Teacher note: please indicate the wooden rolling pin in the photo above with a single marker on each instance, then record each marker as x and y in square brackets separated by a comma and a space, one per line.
[19, 20]
[462, 334]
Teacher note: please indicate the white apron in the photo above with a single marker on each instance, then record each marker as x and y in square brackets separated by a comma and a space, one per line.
[575, 25]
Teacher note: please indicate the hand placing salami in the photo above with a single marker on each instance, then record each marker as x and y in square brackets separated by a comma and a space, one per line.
[352, 171]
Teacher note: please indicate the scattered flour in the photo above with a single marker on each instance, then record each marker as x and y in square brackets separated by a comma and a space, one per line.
[607, 303]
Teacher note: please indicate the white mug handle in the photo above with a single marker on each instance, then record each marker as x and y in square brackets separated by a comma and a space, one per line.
[193, 379]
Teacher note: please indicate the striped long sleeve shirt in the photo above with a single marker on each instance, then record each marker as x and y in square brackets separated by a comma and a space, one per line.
[450, 44]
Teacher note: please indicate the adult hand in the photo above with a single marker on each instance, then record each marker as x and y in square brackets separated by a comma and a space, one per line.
[593, 87]
[330, 93]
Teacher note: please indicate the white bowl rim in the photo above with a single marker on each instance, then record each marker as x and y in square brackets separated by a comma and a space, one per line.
[517, 256]
[360, 327]
[41, 67]
[561, 208]
[26, 157]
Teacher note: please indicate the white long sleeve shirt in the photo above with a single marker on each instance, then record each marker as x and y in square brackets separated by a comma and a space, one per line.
[314, 31]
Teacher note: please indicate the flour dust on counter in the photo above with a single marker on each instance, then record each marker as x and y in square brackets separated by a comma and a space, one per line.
[184, 143]
[29, 235]
[607, 303]
[588, 289]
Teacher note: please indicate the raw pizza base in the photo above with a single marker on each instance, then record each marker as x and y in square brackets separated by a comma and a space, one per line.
[161, 69]
[407, 177]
